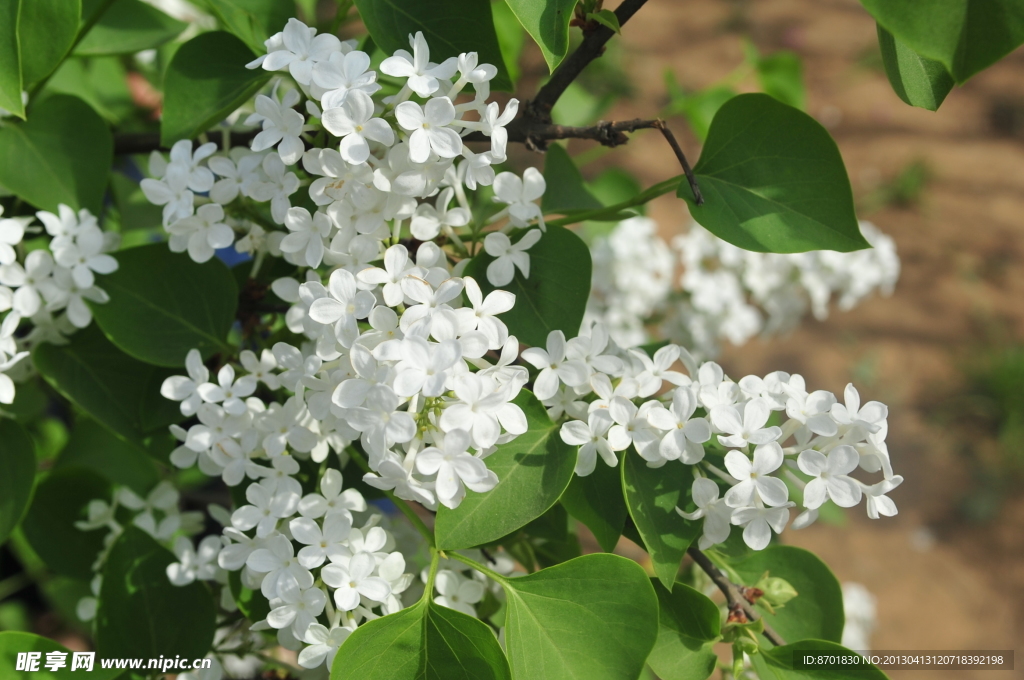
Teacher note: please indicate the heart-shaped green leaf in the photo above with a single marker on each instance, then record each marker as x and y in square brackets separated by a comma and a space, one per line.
[424, 642]
[773, 181]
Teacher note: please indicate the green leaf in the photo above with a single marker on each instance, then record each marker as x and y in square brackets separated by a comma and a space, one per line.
[652, 495]
[555, 295]
[965, 36]
[62, 154]
[917, 80]
[606, 17]
[162, 305]
[511, 37]
[533, 470]
[253, 20]
[11, 643]
[59, 501]
[46, 31]
[17, 474]
[129, 26]
[773, 181]
[10, 59]
[596, 500]
[817, 610]
[101, 82]
[205, 82]
[548, 25]
[177, 619]
[689, 625]
[449, 26]
[593, 617]
[423, 642]
[779, 663]
[95, 447]
[781, 75]
[115, 389]
[565, 187]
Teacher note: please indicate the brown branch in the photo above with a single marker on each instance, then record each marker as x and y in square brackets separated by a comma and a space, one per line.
[144, 142]
[571, 67]
[734, 598]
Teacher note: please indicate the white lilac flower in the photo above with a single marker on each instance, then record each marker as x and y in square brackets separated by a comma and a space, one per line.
[301, 48]
[353, 121]
[457, 592]
[520, 194]
[422, 75]
[684, 435]
[591, 437]
[509, 256]
[758, 524]
[755, 480]
[744, 424]
[355, 580]
[717, 515]
[831, 477]
[200, 234]
[456, 469]
[194, 563]
[428, 131]
[554, 367]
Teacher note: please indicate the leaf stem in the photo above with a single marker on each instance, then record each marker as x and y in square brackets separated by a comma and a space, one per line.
[479, 567]
[401, 504]
[9, 586]
[658, 189]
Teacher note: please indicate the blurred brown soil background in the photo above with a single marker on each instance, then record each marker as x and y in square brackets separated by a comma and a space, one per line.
[943, 581]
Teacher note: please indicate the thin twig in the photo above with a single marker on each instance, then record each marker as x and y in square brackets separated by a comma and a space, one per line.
[571, 67]
[734, 599]
[144, 142]
[671, 139]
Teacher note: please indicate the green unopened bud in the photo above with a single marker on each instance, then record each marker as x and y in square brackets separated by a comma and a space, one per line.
[777, 591]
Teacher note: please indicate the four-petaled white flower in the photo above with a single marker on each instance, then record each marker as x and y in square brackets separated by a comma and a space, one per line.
[591, 437]
[684, 434]
[343, 73]
[508, 256]
[355, 580]
[353, 121]
[282, 127]
[831, 477]
[422, 75]
[457, 592]
[298, 608]
[186, 390]
[202, 233]
[428, 129]
[266, 507]
[758, 524]
[554, 367]
[301, 48]
[744, 424]
[344, 307]
[194, 563]
[520, 194]
[717, 515]
[307, 234]
[755, 480]
[455, 468]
